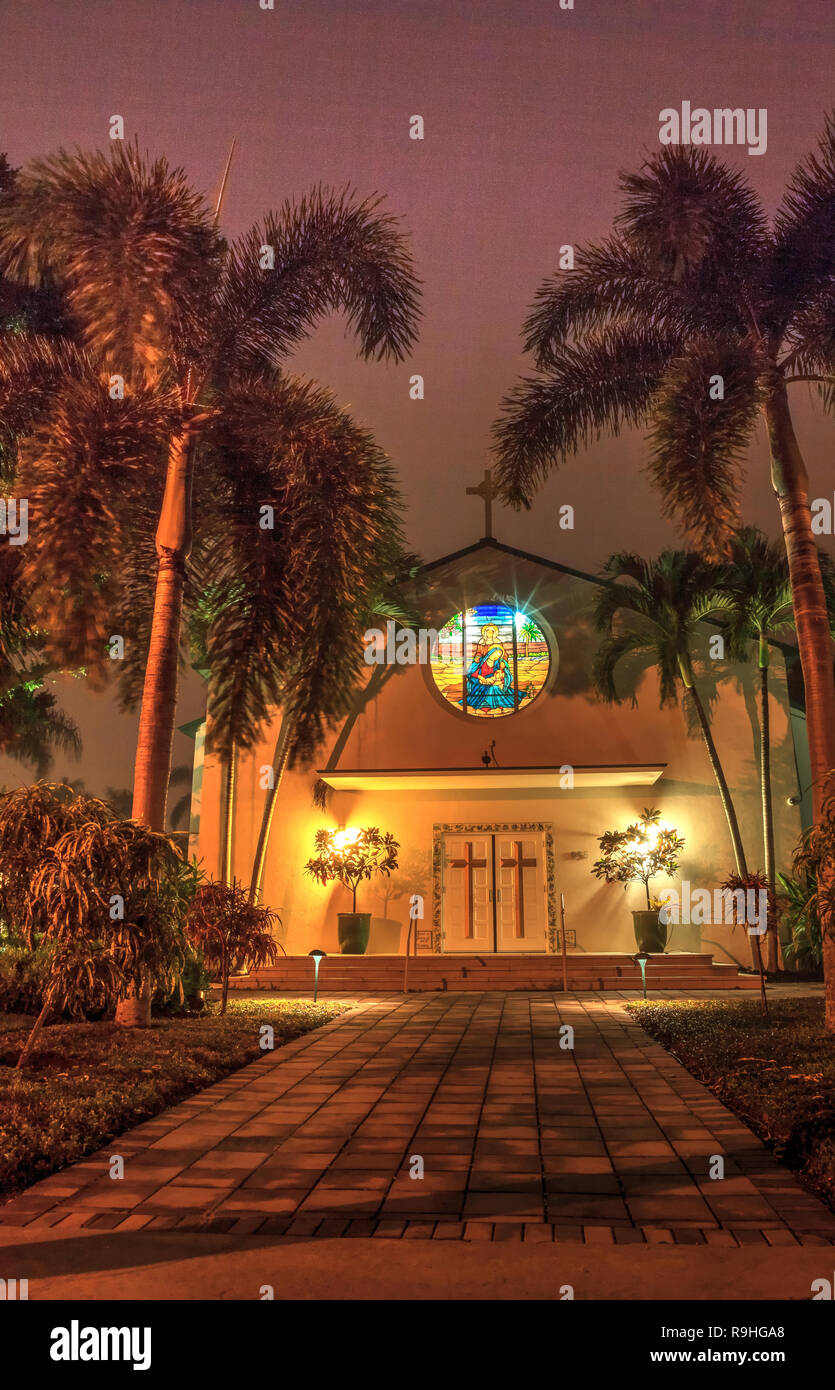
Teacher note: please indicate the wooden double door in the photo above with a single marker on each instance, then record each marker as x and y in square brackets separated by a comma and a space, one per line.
[494, 891]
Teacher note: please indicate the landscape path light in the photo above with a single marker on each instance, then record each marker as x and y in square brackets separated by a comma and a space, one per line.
[317, 956]
[641, 959]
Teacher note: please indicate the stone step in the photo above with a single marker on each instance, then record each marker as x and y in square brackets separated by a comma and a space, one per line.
[599, 971]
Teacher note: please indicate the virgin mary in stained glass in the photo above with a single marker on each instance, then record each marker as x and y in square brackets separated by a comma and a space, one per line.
[491, 660]
[489, 679]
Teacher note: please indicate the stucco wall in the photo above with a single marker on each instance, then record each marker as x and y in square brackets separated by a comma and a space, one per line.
[409, 726]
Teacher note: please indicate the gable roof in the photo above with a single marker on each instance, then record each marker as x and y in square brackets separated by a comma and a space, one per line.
[490, 543]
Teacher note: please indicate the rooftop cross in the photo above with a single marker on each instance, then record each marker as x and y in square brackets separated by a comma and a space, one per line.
[487, 491]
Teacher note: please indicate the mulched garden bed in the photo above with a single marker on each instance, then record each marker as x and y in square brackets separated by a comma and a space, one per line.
[778, 1076]
[87, 1082]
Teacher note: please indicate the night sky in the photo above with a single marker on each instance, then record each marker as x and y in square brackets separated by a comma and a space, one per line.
[529, 111]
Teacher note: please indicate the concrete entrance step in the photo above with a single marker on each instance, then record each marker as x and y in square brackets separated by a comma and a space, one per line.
[586, 971]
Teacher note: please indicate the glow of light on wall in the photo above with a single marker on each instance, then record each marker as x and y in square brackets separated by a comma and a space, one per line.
[644, 848]
[343, 838]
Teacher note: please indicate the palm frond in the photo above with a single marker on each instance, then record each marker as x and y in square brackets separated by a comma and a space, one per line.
[810, 344]
[33, 727]
[134, 247]
[699, 223]
[293, 600]
[330, 252]
[605, 383]
[653, 616]
[86, 470]
[698, 442]
[637, 596]
[32, 370]
[611, 285]
[610, 656]
[803, 258]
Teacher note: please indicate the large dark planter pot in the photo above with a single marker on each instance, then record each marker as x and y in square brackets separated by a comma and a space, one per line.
[352, 932]
[650, 934]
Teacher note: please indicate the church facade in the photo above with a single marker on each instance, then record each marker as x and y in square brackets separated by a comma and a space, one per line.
[496, 767]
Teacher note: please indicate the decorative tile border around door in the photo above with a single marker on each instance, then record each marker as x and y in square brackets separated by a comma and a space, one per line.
[493, 828]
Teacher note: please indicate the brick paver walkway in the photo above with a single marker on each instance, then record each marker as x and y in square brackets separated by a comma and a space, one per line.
[515, 1137]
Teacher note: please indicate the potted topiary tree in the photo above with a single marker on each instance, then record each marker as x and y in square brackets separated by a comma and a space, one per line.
[348, 857]
[636, 855]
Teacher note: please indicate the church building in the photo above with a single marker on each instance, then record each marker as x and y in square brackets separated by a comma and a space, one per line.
[496, 767]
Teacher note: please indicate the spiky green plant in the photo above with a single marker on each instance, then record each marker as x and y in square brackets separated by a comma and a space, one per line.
[796, 904]
[84, 976]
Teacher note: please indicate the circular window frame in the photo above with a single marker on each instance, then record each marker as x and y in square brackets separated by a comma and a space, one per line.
[468, 716]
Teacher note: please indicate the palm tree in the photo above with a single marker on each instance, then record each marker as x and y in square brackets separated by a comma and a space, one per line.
[529, 632]
[658, 612]
[279, 622]
[180, 334]
[757, 584]
[695, 317]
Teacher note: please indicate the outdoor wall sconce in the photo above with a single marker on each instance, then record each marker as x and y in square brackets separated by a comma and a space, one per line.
[641, 959]
[317, 956]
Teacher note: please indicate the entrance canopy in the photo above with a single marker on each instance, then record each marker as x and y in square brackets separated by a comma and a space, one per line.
[492, 778]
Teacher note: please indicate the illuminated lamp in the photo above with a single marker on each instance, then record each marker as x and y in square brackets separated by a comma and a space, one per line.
[641, 959]
[317, 956]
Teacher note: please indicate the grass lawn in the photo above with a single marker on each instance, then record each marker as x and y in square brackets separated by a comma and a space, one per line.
[88, 1082]
[778, 1076]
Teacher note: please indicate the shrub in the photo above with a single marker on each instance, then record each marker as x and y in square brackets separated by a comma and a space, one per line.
[32, 820]
[797, 903]
[814, 861]
[120, 883]
[23, 978]
[187, 997]
[107, 896]
[232, 932]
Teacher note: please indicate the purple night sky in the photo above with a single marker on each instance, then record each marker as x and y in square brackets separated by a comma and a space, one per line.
[529, 111]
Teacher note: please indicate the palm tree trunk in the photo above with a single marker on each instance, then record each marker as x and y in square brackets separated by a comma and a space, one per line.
[159, 695]
[727, 802]
[280, 755]
[134, 1011]
[768, 810]
[378, 676]
[718, 772]
[230, 789]
[758, 961]
[33, 1036]
[224, 980]
[814, 642]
